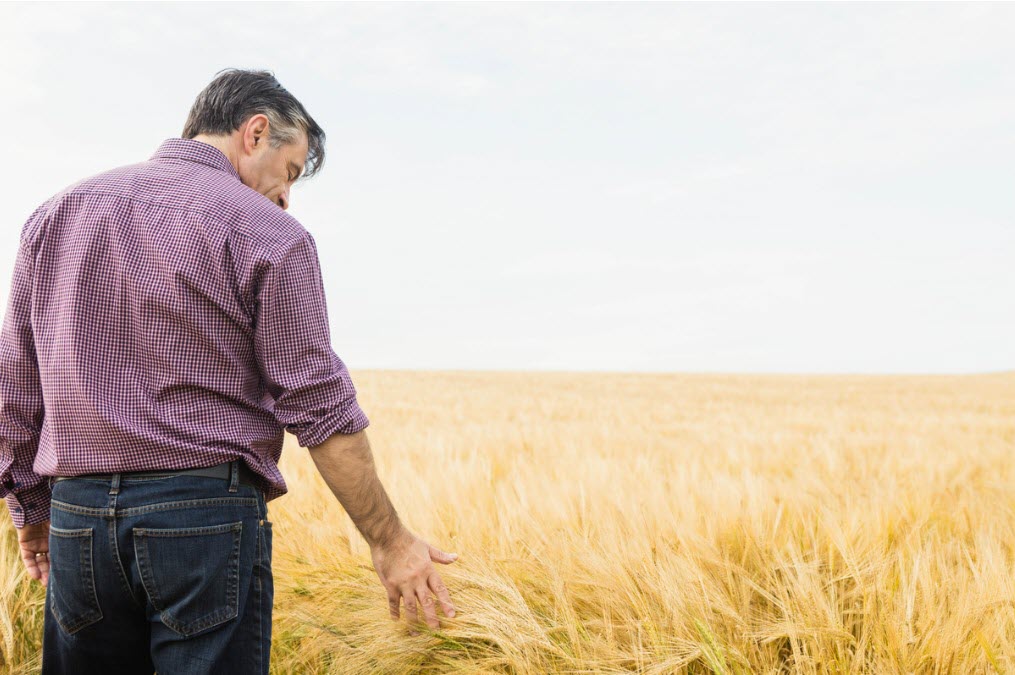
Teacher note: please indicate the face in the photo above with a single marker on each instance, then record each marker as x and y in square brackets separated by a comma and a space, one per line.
[268, 170]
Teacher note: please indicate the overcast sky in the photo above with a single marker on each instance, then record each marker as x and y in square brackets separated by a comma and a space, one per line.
[651, 187]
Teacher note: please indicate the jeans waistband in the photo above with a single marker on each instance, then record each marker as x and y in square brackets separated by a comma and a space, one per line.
[244, 475]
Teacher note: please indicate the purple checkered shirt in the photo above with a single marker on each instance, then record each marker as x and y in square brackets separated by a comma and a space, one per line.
[163, 315]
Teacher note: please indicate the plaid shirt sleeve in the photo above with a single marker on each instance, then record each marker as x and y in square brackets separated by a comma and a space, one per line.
[313, 392]
[21, 403]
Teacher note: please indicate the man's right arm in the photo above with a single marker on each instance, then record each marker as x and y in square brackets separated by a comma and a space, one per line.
[403, 561]
[315, 400]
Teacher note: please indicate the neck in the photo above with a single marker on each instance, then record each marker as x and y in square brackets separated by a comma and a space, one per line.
[223, 143]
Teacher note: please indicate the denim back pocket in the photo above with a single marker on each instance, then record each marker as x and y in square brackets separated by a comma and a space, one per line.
[70, 588]
[191, 574]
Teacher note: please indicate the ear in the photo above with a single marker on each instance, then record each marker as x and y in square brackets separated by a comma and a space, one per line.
[254, 131]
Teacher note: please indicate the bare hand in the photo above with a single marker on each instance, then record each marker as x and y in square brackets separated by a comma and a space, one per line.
[35, 539]
[405, 568]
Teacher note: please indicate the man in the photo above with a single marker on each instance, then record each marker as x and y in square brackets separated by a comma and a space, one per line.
[166, 322]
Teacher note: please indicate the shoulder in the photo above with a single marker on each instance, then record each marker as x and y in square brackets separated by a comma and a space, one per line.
[36, 221]
[199, 191]
[263, 222]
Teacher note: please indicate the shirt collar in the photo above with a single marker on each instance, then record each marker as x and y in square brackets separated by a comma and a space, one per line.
[195, 151]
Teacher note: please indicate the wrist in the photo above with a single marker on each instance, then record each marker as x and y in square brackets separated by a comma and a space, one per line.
[391, 535]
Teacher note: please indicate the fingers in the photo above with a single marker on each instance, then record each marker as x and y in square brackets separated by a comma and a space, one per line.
[429, 608]
[440, 556]
[43, 565]
[440, 590]
[409, 597]
[33, 568]
[416, 599]
[408, 575]
[394, 603]
[38, 568]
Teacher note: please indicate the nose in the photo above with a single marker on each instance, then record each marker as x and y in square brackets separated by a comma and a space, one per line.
[283, 200]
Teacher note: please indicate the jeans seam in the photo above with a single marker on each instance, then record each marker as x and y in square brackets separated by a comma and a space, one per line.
[186, 503]
[260, 602]
[104, 512]
[221, 528]
[119, 564]
[150, 508]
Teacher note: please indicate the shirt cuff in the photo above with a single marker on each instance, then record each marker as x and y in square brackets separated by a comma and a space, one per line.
[348, 419]
[30, 506]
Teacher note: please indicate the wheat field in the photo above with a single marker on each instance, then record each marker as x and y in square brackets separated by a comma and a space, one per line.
[654, 523]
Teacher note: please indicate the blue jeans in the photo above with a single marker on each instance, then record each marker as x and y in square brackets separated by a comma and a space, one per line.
[168, 574]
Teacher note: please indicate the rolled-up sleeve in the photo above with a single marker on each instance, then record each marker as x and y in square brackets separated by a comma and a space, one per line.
[313, 394]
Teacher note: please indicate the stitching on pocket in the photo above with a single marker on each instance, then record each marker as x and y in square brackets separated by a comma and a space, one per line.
[80, 510]
[188, 531]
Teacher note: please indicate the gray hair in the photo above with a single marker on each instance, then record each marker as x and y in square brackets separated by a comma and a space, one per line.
[235, 95]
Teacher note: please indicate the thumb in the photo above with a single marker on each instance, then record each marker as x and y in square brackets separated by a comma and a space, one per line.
[440, 556]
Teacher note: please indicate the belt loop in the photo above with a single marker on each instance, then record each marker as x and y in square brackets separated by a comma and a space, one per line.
[115, 487]
[234, 475]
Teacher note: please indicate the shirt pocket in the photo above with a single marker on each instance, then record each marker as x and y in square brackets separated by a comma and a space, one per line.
[191, 574]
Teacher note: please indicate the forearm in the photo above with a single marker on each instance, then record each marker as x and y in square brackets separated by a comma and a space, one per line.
[347, 465]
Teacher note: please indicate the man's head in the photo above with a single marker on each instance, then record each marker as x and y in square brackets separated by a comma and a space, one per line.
[264, 131]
